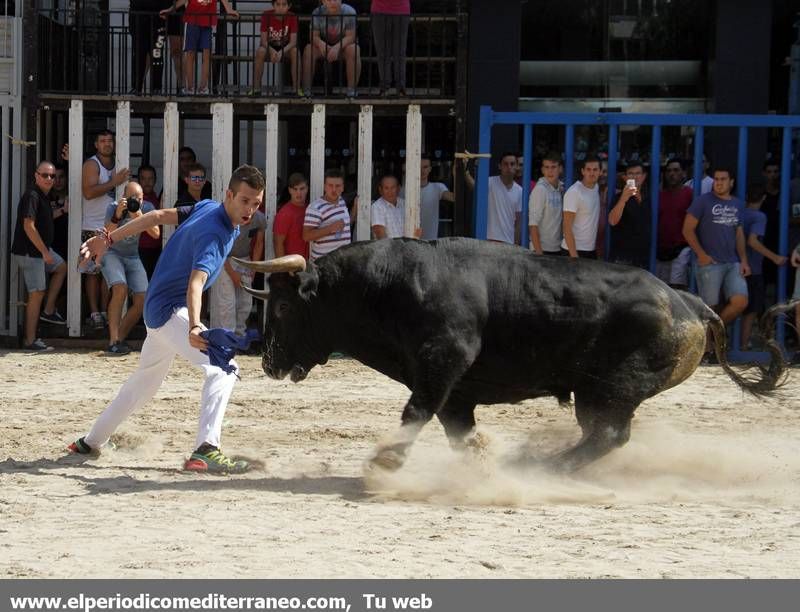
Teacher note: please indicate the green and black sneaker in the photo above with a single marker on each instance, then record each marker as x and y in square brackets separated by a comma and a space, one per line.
[210, 459]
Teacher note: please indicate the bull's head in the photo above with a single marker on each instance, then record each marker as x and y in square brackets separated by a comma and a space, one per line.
[289, 346]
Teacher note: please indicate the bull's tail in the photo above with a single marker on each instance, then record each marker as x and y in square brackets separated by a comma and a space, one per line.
[767, 378]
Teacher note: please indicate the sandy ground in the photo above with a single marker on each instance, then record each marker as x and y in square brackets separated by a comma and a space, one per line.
[709, 485]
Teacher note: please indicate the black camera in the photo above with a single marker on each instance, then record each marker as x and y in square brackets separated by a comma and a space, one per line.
[132, 204]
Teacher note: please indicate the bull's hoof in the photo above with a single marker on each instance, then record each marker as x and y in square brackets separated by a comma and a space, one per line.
[386, 459]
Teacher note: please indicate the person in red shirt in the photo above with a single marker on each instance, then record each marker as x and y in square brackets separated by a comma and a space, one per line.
[287, 231]
[673, 254]
[200, 17]
[278, 43]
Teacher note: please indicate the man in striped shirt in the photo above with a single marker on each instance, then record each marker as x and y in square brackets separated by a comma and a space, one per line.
[327, 223]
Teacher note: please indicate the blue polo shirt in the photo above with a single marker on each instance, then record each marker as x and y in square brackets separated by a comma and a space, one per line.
[202, 241]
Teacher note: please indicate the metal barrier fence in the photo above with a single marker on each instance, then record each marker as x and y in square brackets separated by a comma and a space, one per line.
[101, 52]
[490, 118]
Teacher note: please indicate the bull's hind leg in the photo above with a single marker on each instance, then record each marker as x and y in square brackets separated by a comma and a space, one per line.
[605, 426]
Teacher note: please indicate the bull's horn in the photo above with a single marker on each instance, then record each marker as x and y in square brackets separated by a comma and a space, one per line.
[287, 263]
[256, 293]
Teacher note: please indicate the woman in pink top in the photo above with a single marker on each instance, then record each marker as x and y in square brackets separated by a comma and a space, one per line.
[390, 20]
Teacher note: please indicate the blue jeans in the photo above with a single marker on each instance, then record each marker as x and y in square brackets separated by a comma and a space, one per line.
[122, 270]
[713, 278]
[35, 271]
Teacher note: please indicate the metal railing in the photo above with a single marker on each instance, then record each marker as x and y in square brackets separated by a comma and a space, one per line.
[100, 52]
[614, 121]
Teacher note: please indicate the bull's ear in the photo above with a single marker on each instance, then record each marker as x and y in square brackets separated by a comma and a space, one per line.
[309, 280]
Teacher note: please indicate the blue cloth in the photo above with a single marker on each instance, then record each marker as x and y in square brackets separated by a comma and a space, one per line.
[755, 222]
[201, 242]
[127, 247]
[717, 223]
[223, 344]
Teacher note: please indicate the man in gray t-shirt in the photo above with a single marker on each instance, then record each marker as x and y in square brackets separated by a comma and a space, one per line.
[229, 305]
[333, 39]
[123, 270]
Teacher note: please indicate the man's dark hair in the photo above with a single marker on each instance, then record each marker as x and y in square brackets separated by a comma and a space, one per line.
[676, 160]
[105, 132]
[297, 178]
[634, 164]
[552, 156]
[771, 162]
[589, 159]
[722, 168]
[195, 166]
[188, 150]
[250, 175]
[145, 167]
[508, 154]
[755, 192]
[334, 173]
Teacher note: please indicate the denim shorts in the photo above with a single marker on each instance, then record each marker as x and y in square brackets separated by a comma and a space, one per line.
[725, 277]
[120, 270]
[35, 271]
[196, 38]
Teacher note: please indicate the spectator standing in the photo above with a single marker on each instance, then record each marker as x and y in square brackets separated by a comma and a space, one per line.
[278, 44]
[771, 173]
[390, 19]
[505, 203]
[229, 305]
[175, 36]
[389, 210]
[713, 228]
[60, 204]
[98, 181]
[287, 231]
[545, 208]
[707, 183]
[630, 218]
[199, 20]
[123, 270]
[149, 247]
[333, 38]
[755, 226]
[582, 213]
[31, 247]
[195, 186]
[673, 254]
[144, 24]
[326, 226]
[430, 195]
[187, 157]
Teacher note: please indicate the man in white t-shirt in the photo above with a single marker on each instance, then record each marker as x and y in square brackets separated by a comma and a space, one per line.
[706, 183]
[326, 226]
[544, 208]
[430, 194]
[582, 212]
[505, 203]
[388, 211]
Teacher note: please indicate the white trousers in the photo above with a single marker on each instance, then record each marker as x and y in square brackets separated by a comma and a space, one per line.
[158, 351]
[230, 306]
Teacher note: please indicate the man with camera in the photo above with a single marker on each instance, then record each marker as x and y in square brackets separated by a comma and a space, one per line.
[123, 269]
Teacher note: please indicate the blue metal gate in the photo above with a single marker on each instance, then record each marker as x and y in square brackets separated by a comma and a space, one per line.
[490, 118]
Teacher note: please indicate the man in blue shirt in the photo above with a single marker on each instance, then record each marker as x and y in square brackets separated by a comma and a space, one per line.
[713, 228]
[191, 261]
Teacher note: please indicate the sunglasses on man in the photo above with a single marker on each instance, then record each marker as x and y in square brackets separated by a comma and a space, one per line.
[46, 175]
[197, 179]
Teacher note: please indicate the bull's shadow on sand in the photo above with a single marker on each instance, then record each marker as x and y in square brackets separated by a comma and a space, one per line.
[348, 488]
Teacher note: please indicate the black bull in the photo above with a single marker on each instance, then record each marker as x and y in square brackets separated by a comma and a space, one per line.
[462, 322]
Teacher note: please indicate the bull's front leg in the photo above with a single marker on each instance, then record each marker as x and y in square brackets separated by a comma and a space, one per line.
[391, 454]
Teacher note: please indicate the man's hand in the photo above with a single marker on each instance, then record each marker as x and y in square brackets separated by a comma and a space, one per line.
[65, 152]
[236, 278]
[167, 11]
[333, 53]
[122, 206]
[628, 193]
[120, 176]
[418, 233]
[779, 260]
[336, 227]
[65, 208]
[94, 248]
[274, 56]
[196, 340]
[234, 13]
[48, 258]
[795, 259]
[705, 260]
[744, 268]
